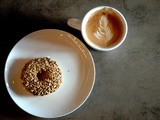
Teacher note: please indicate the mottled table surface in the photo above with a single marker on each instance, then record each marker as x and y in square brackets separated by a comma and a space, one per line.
[127, 83]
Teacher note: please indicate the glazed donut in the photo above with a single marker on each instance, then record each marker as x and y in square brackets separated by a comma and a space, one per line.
[41, 76]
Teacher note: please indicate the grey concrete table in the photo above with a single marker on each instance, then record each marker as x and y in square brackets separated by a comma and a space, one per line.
[127, 83]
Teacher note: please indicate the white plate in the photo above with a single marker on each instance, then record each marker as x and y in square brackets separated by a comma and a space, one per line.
[75, 61]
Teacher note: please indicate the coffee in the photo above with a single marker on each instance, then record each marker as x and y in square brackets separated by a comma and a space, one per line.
[105, 28]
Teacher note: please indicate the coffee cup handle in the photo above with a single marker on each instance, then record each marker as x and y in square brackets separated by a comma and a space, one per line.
[74, 23]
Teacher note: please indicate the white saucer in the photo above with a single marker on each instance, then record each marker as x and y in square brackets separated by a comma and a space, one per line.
[75, 61]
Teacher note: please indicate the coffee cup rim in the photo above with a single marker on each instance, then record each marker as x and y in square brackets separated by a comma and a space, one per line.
[91, 44]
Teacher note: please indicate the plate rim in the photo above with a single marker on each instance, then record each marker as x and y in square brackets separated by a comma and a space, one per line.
[94, 75]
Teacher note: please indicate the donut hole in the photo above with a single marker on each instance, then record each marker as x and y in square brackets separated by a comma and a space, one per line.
[43, 75]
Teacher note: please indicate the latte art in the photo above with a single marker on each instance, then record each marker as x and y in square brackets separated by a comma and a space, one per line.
[104, 31]
[104, 28]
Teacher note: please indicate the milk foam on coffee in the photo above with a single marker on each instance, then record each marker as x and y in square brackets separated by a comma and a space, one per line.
[104, 31]
[104, 27]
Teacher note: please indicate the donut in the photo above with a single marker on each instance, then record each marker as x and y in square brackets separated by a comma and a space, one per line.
[41, 76]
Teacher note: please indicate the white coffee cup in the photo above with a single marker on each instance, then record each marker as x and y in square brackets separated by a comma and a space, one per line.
[81, 25]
